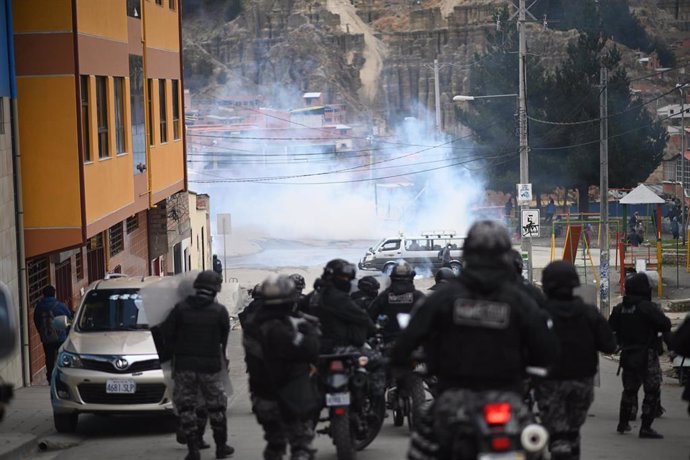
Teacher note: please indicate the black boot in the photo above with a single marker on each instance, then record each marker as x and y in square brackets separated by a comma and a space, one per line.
[193, 449]
[647, 432]
[224, 451]
[624, 418]
[220, 437]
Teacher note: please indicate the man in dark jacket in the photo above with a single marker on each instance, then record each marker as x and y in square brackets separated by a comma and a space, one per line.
[46, 310]
[197, 330]
[565, 395]
[528, 288]
[398, 298]
[680, 343]
[368, 291]
[343, 323]
[482, 332]
[281, 347]
[636, 322]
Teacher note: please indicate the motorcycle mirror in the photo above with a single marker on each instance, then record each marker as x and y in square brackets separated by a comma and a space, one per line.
[7, 327]
[403, 319]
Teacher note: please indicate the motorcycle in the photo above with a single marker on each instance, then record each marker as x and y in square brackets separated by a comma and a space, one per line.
[355, 415]
[494, 425]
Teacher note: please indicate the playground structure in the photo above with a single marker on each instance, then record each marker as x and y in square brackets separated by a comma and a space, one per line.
[583, 227]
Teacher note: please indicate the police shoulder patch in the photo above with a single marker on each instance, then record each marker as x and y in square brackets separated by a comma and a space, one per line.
[481, 313]
[405, 298]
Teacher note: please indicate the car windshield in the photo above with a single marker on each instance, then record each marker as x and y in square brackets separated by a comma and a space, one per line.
[112, 310]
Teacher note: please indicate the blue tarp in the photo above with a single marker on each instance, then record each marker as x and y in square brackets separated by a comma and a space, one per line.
[7, 84]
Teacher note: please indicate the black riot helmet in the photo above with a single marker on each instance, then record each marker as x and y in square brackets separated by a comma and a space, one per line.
[339, 272]
[300, 284]
[256, 292]
[278, 290]
[402, 271]
[559, 278]
[369, 285]
[638, 285]
[208, 280]
[486, 238]
[444, 275]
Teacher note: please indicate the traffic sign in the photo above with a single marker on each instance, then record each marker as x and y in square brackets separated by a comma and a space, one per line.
[529, 224]
[524, 193]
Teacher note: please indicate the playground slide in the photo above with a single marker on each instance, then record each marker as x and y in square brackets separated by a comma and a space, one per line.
[572, 239]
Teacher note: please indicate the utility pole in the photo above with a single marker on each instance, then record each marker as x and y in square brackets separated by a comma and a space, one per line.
[437, 97]
[684, 218]
[604, 299]
[522, 115]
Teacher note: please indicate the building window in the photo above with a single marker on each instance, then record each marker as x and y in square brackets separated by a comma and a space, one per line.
[171, 4]
[102, 112]
[159, 2]
[176, 108]
[79, 264]
[149, 102]
[115, 239]
[134, 8]
[163, 106]
[132, 223]
[2, 115]
[120, 145]
[137, 113]
[85, 125]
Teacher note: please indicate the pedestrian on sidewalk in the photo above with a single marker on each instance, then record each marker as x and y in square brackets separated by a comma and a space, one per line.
[636, 322]
[47, 309]
[281, 349]
[564, 397]
[197, 332]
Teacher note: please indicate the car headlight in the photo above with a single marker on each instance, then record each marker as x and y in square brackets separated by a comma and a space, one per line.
[66, 359]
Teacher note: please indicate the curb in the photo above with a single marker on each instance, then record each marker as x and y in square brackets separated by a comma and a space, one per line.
[20, 448]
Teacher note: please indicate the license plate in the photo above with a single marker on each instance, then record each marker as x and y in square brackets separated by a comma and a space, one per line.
[503, 456]
[120, 386]
[337, 399]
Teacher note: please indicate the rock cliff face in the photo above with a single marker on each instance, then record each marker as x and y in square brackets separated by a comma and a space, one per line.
[375, 56]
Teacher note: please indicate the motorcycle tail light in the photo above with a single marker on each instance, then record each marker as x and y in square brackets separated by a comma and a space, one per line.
[500, 444]
[497, 413]
[337, 366]
[339, 411]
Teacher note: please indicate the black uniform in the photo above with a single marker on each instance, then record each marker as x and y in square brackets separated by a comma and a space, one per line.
[636, 322]
[480, 332]
[281, 346]
[483, 331]
[363, 299]
[197, 330]
[343, 323]
[565, 396]
[680, 343]
[399, 297]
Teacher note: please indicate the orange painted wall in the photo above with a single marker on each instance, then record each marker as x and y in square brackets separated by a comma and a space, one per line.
[166, 160]
[50, 159]
[108, 182]
[162, 27]
[42, 15]
[103, 18]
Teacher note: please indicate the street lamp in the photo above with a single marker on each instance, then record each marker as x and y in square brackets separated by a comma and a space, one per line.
[524, 151]
[684, 219]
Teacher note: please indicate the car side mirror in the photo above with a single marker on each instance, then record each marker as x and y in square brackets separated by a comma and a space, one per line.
[61, 323]
[7, 325]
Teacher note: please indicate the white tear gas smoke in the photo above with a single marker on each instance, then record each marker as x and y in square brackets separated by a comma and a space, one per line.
[295, 186]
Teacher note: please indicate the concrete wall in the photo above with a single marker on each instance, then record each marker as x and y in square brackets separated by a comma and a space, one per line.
[11, 367]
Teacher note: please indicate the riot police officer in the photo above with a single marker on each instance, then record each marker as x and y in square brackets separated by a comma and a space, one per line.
[636, 322]
[368, 290]
[565, 395]
[482, 332]
[398, 298]
[343, 323]
[529, 288]
[281, 346]
[197, 330]
[443, 276]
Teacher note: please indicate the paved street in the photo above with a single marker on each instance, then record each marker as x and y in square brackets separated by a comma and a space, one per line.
[106, 438]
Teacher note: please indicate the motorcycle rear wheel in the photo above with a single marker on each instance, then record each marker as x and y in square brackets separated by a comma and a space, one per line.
[342, 437]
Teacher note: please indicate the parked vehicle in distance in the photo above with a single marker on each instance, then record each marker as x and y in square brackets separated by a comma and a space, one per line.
[109, 363]
[423, 251]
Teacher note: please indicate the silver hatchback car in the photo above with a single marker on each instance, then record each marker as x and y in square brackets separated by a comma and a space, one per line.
[109, 363]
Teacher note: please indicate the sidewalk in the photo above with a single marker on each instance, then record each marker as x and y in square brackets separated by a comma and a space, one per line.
[28, 418]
